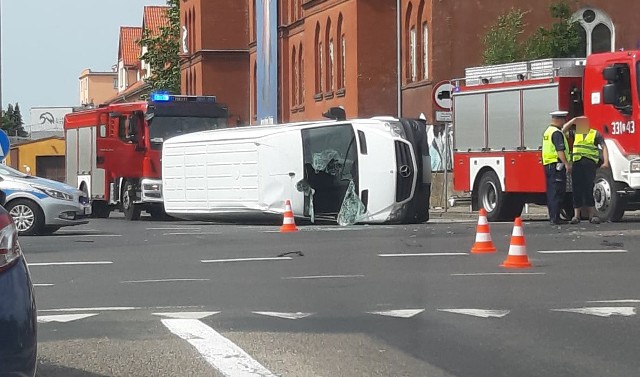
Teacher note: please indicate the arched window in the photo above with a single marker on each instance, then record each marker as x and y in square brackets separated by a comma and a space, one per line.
[254, 22]
[295, 89]
[255, 90]
[340, 53]
[425, 51]
[598, 31]
[413, 54]
[318, 59]
[420, 42]
[329, 56]
[407, 42]
[301, 75]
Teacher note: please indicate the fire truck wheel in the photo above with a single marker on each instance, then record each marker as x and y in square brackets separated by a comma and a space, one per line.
[100, 209]
[131, 211]
[27, 215]
[609, 205]
[491, 197]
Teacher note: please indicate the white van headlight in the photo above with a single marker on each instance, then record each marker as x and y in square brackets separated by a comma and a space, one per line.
[396, 130]
[635, 166]
[54, 193]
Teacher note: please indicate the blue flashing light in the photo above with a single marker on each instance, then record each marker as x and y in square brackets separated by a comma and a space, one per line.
[160, 97]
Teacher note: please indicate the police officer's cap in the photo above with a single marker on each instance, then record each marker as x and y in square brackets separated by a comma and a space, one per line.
[559, 114]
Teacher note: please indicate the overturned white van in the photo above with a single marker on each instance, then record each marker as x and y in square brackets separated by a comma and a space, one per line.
[356, 171]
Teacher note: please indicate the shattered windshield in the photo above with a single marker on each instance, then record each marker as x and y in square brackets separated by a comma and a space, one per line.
[162, 128]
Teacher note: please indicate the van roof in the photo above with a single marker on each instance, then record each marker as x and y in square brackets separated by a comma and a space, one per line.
[252, 132]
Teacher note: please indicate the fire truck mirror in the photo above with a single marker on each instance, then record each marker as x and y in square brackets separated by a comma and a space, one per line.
[610, 74]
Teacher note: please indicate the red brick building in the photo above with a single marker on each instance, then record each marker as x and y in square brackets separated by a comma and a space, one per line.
[215, 52]
[343, 52]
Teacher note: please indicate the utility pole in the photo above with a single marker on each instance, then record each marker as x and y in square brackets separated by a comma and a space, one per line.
[398, 54]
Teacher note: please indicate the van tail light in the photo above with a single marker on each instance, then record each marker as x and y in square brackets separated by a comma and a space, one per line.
[9, 246]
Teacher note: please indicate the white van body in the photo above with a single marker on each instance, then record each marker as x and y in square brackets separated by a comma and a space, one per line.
[252, 171]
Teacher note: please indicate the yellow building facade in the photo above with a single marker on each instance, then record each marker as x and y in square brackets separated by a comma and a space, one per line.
[43, 158]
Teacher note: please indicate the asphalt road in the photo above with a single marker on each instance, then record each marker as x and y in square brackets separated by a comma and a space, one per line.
[118, 298]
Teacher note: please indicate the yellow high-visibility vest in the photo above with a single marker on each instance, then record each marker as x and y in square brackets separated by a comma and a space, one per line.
[549, 152]
[585, 146]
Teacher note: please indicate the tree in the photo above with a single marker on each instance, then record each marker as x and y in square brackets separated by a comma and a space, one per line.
[562, 40]
[503, 45]
[501, 42]
[163, 52]
[12, 122]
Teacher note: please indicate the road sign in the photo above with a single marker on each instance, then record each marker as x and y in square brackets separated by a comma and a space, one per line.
[444, 116]
[442, 95]
[4, 145]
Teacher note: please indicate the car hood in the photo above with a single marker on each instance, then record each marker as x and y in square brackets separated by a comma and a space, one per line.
[31, 180]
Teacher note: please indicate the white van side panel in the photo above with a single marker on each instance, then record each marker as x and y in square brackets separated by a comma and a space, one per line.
[233, 176]
[377, 171]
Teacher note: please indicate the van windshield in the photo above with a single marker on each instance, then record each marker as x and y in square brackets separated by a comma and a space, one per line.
[162, 128]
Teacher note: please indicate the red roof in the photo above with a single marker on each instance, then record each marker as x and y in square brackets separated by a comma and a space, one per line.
[129, 50]
[155, 17]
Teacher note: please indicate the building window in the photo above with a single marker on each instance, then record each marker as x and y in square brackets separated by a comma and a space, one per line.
[425, 51]
[343, 62]
[254, 22]
[340, 53]
[115, 83]
[295, 89]
[597, 32]
[301, 75]
[318, 62]
[320, 70]
[406, 43]
[331, 66]
[412, 54]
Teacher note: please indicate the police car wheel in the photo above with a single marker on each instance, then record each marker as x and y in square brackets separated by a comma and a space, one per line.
[27, 216]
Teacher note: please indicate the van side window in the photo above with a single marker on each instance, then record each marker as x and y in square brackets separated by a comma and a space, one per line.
[362, 138]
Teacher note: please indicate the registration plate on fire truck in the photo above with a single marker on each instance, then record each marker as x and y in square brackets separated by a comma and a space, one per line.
[87, 210]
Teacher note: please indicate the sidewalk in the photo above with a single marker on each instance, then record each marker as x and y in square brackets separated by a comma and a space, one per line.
[533, 212]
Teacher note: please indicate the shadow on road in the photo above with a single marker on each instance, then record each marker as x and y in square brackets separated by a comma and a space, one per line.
[47, 369]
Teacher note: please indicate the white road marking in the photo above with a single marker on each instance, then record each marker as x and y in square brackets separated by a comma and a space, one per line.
[297, 315]
[63, 231]
[187, 315]
[400, 313]
[625, 311]
[483, 313]
[160, 281]
[246, 260]
[229, 359]
[190, 233]
[43, 285]
[63, 318]
[70, 263]
[580, 251]
[86, 235]
[500, 273]
[176, 228]
[625, 301]
[422, 255]
[323, 277]
[98, 309]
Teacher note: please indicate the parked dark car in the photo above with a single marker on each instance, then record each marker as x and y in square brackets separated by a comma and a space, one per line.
[18, 316]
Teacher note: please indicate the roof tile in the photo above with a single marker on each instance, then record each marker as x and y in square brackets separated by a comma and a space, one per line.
[129, 51]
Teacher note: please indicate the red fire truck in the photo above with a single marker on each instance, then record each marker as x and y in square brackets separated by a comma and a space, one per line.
[500, 113]
[113, 153]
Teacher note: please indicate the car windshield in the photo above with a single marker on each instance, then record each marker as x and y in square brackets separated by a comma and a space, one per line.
[7, 171]
[162, 128]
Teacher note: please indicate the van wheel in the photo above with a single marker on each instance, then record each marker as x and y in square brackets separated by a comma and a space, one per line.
[27, 216]
[609, 205]
[131, 210]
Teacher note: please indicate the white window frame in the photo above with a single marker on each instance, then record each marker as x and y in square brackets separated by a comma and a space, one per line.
[332, 65]
[343, 63]
[425, 52]
[601, 18]
[412, 54]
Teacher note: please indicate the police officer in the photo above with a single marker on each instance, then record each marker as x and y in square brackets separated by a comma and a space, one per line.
[586, 156]
[556, 165]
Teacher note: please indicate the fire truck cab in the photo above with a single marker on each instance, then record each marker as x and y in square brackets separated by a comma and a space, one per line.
[500, 113]
[113, 153]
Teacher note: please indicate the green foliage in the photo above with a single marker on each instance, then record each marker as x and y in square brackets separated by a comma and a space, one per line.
[560, 40]
[501, 41]
[163, 52]
[12, 122]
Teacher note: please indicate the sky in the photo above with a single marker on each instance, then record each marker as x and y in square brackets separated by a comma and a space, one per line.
[46, 44]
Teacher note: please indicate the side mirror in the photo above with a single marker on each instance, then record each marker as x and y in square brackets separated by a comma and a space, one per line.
[610, 74]
[610, 94]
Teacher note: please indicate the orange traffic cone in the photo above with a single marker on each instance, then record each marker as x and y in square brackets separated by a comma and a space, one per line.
[289, 223]
[517, 257]
[483, 244]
